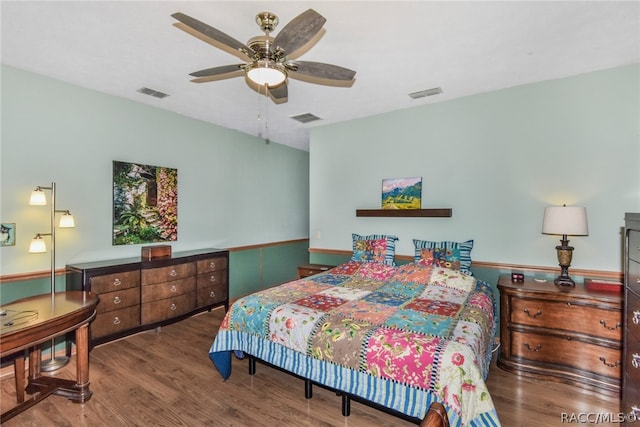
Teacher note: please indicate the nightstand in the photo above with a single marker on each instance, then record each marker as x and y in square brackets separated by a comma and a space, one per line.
[566, 334]
[306, 270]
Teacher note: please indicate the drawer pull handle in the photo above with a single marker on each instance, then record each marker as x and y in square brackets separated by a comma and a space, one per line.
[635, 360]
[117, 282]
[636, 317]
[536, 348]
[173, 273]
[117, 300]
[116, 320]
[212, 294]
[173, 288]
[212, 279]
[212, 264]
[533, 316]
[611, 365]
[173, 307]
[611, 328]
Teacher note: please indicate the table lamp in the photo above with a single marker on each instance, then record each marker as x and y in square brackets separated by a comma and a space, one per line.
[565, 221]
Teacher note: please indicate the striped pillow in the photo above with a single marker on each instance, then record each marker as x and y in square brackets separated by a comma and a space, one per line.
[380, 248]
[454, 255]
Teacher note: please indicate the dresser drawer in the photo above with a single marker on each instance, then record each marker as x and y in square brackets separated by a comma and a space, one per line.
[567, 351]
[118, 299]
[630, 398]
[633, 313]
[633, 276]
[212, 294]
[115, 281]
[166, 274]
[212, 264]
[212, 278]
[171, 289]
[115, 321]
[633, 359]
[634, 245]
[164, 309]
[577, 318]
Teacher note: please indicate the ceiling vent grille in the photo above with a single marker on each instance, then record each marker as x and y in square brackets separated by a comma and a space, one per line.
[305, 118]
[425, 93]
[151, 92]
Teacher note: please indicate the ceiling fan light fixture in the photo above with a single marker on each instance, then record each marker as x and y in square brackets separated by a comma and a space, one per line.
[266, 73]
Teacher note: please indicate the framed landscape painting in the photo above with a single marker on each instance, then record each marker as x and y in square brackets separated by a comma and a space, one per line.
[145, 203]
[402, 193]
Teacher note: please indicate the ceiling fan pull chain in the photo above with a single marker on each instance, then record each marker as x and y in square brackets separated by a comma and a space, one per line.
[266, 119]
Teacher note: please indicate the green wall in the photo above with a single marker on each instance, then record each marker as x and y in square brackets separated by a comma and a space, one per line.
[234, 190]
[497, 159]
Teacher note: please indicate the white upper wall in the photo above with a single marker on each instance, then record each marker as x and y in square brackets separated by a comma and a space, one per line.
[497, 159]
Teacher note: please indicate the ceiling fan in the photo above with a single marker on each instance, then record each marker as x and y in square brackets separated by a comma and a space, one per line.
[268, 60]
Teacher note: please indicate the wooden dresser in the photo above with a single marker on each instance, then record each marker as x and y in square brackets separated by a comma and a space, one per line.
[567, 334]
[136, 295]
[631, 359]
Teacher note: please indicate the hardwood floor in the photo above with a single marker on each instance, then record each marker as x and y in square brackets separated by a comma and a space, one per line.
[167, 379]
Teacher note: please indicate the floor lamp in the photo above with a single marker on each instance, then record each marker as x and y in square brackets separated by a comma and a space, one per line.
[37, 246]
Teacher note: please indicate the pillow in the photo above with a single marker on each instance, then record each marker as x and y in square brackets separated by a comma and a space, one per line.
[454, 255]
[378, 248]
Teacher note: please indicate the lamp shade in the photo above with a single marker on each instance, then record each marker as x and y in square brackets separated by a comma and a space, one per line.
[37, 245]
[267, 73]
[565, 220]
[67, 221]
[37, 197]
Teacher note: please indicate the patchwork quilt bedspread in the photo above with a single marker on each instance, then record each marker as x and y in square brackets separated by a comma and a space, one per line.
[399, 336]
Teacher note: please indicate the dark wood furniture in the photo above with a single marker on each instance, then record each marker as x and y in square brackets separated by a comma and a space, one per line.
[631, 359]
[136, 295]
[567, 334]
[437, 213]
[32, 321]
[307, 270]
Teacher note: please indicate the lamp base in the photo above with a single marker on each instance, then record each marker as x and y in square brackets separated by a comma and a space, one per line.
[54, 364]
[565, 253]
[564, 281]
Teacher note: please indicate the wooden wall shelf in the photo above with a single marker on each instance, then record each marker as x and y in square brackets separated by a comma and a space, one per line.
[407, 213]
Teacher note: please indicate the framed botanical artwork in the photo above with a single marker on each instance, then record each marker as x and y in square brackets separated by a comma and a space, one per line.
[8, 234]
[402, 193]
[145, 203]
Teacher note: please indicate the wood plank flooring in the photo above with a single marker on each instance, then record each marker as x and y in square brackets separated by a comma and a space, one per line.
[165, 378]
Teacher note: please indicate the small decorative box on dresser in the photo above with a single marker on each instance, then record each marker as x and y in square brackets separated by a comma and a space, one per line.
[136, 295]
[307, 270]
[631, 359]
[567, 334]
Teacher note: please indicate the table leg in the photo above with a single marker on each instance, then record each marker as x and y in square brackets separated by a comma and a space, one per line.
[82, 361]
[18, 367]
[34, 363]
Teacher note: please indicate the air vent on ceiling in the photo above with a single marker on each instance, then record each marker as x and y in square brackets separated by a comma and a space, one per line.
[151, 92]
[424, 93]
[305, 118]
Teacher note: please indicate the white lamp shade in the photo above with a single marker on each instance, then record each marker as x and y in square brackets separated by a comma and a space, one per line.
[37, 198]
[565, 220]
[67, 221]
[37, 245]
[263, 74]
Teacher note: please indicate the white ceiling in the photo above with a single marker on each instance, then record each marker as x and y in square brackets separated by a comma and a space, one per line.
[396, 48]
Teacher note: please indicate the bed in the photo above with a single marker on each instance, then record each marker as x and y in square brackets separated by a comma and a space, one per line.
[399, 337]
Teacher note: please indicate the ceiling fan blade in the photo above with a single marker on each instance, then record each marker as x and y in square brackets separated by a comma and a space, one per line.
[279, 94]
[299, 31]
[321, 73]
[218, 73]
[214, 37]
